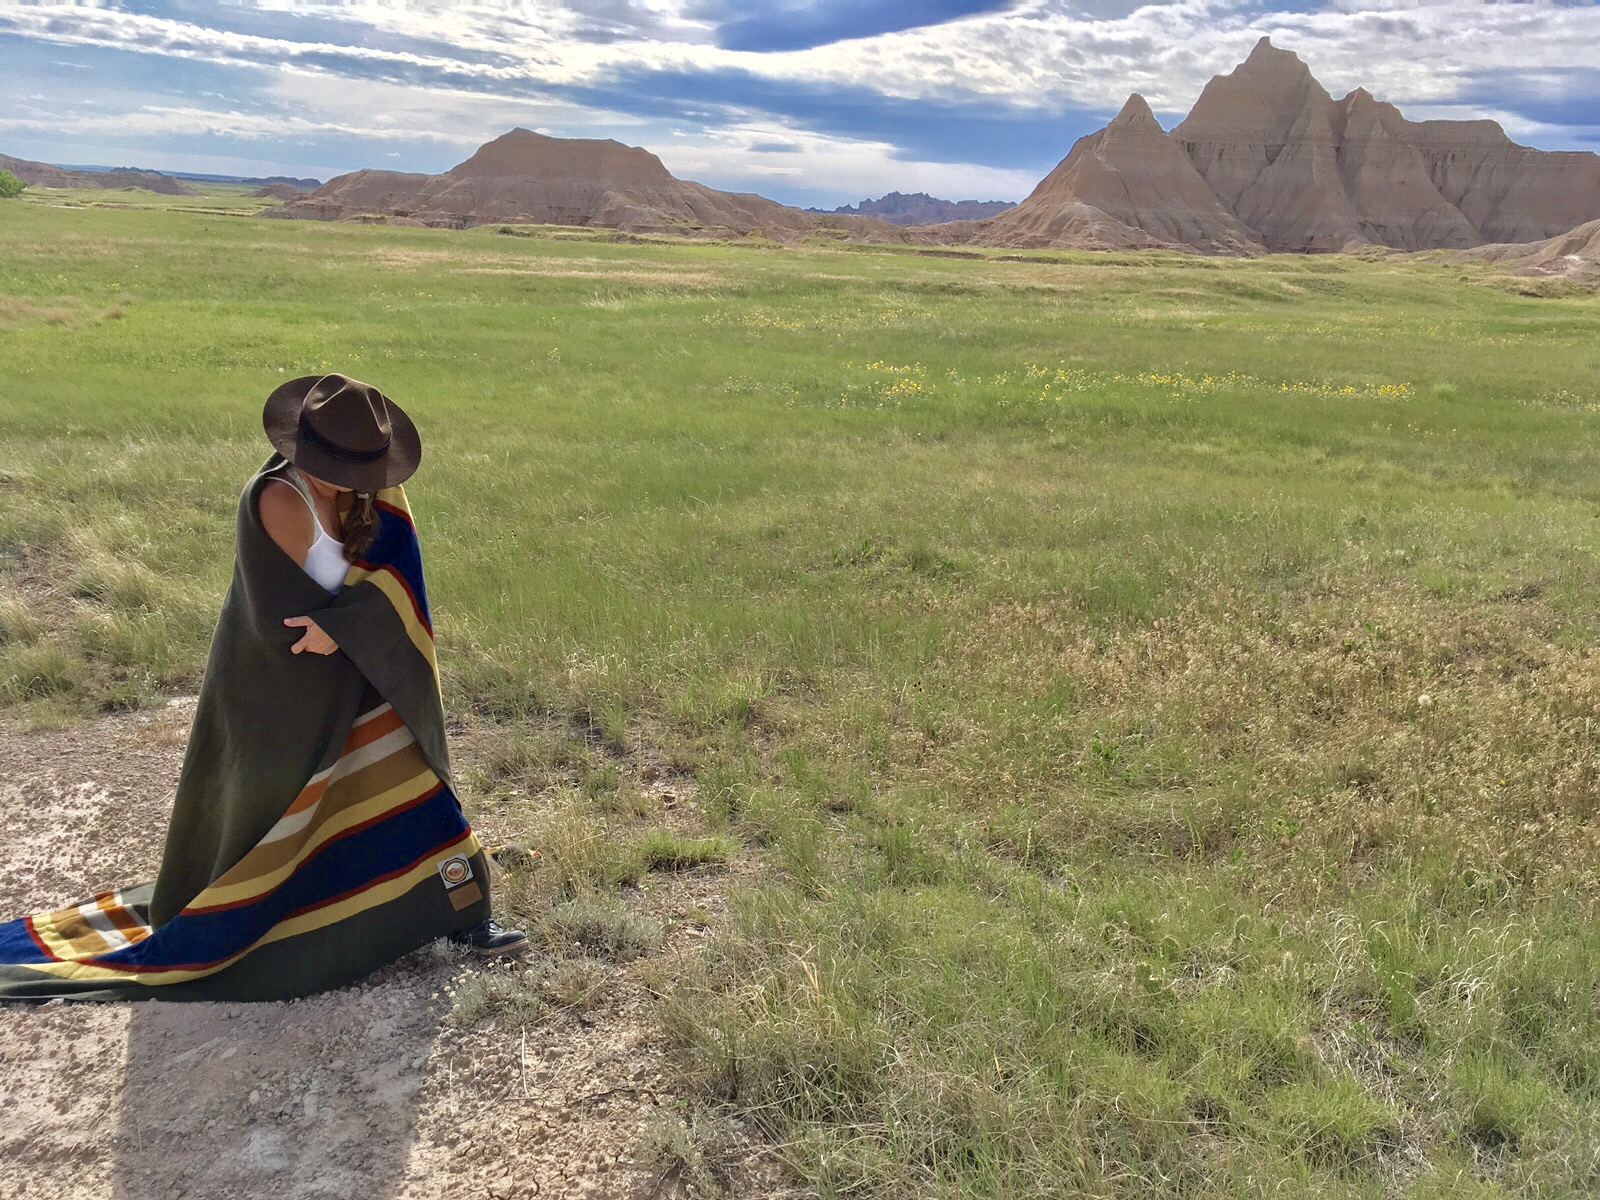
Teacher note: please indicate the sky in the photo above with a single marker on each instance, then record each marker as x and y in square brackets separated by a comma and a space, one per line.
[818, 103]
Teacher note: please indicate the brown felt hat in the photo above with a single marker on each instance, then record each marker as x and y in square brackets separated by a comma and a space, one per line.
[343, 431]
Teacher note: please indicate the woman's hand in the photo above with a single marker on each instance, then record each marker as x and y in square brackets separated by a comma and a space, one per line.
[314, 640]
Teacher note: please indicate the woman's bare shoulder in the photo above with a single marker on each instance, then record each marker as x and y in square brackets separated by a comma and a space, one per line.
[285, 517]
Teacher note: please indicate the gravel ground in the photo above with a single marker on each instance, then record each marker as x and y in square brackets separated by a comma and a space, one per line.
[371, 1091]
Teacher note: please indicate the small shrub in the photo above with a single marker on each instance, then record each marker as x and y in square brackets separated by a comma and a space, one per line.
[907, 859]
[663, 850]
[18, 624]
[575, 983]
[687, 1156]
[10, 186]
[482, 994]
[580, 851]
[605, 926]
[1336, 1124]
[40, 670]
[1500, 1106]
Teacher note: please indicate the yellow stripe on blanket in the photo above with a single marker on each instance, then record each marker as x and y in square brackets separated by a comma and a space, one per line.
[387, 582]
[98, 926]
[251, 889]
[381, 893]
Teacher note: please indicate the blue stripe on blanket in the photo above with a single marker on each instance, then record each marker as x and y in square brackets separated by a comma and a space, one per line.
[350, 864]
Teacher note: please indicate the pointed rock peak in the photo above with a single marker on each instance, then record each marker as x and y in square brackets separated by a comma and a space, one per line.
[1361, 108]
[1360, 105]
[1136, 112]
[1266, 55]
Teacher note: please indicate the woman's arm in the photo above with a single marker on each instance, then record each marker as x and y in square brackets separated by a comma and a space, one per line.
[287, 521]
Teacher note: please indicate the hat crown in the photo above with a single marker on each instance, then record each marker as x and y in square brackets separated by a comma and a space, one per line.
[343, 431]
[346, 416]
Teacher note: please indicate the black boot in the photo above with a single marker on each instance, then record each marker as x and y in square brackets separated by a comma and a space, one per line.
[490, 937]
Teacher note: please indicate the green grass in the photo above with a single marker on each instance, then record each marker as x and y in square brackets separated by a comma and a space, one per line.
[209, 197]
[1160, 692]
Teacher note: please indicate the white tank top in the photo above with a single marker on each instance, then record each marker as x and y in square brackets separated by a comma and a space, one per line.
[325, 561]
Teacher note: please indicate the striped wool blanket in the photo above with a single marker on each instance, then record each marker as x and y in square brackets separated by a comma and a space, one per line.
[315, 834]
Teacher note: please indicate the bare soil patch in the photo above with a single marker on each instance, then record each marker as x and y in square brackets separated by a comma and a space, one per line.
[389, 1089]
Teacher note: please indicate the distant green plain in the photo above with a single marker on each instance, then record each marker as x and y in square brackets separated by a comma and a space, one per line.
[1160, 692]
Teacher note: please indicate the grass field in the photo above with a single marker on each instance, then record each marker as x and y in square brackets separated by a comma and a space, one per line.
[1161, 691]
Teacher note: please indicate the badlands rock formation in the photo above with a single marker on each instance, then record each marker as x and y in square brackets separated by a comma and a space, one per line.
[43, 175]
[1130, 186]
[1268, 159]
[279, 191]
[527, 178]
[1571, 255]
[919, 208]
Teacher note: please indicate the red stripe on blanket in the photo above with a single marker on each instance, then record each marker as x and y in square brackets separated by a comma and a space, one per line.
[398, 512]
[333, 841]
[395, 874]
[455, 841]
[27, 923]
[410, 594]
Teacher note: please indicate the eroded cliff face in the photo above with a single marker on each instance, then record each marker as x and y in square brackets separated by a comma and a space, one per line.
[1283, 166]
[1572, 255]
[1126, 187]
[523, 177]
[1262, 138]
[1266, 160]
[919, 208]
[43, 175]
[1389, 181]
[524, 154]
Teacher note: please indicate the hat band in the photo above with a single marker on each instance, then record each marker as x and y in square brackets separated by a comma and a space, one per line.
[310, 434]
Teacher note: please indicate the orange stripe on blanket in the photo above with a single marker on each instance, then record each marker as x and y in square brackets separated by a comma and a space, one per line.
[305, 920]
[363, 734]
[68, 933]
[117, 913]
[308, 796]
[370, 731]
[259, 889]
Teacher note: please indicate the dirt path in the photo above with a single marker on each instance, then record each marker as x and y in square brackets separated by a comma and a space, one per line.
[379, 1091]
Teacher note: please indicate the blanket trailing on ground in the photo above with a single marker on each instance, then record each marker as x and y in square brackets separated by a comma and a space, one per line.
[314, 834]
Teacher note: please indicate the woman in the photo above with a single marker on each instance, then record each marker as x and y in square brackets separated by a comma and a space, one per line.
[315, 835]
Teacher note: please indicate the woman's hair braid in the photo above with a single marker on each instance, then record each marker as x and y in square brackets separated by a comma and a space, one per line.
[360, 525]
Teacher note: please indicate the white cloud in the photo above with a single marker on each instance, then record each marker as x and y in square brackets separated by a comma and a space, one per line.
[451, 114]
[1042, 53]
[829, 164]
[1518, 128]
[183, 121]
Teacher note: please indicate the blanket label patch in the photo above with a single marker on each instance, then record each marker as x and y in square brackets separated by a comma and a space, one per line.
[455, 871]
[463, 896]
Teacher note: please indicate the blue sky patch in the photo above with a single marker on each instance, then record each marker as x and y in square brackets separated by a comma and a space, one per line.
[790, 26]
[1567, 98]
[965, 129]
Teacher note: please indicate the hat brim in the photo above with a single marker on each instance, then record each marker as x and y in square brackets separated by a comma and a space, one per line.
[281, 419]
